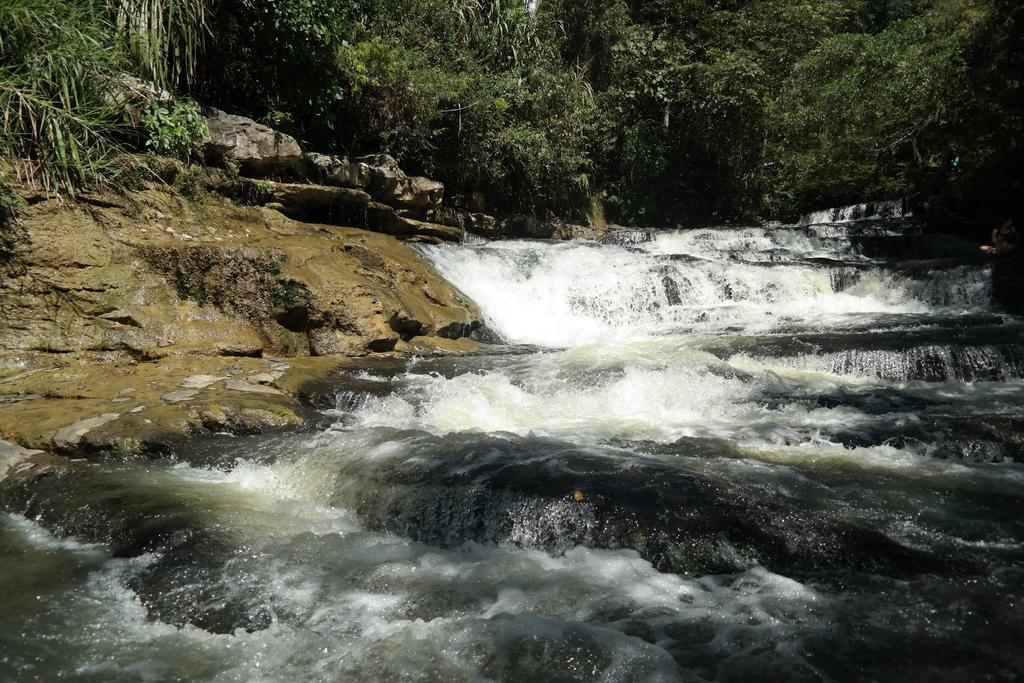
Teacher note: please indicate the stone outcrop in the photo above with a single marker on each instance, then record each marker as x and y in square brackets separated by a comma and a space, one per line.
[371, 192]
[75, 406]
[153, 274]
[252, 148]
[90, 406]
[333, 205]
[380, 176]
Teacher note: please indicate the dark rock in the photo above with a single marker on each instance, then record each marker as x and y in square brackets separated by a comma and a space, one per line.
[1008, 281]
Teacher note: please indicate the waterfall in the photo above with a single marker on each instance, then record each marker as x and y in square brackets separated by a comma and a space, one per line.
[890, 209]
[693, 282]
[781, 452]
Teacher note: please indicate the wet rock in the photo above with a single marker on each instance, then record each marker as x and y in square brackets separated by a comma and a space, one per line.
[446, 494]
[253, 148]
[335, 205]
[264, 377]
[201, 381]
[20, 466]
[179, 396]
[625, 237]
[395, 224]
[10, 454]
[186, 582]
[238, 385]
[81, 421]
[68, 437]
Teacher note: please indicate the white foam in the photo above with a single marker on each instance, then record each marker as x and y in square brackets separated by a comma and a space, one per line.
[892, 208]
[569, 294]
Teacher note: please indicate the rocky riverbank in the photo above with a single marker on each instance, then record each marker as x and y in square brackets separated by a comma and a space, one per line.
[133, 319]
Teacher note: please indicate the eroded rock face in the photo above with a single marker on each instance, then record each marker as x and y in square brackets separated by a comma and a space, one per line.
[337, 171]
[252, 147]
[378, 174]
[155, 275]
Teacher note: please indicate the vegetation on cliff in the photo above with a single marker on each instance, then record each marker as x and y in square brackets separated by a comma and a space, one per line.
[657, 112]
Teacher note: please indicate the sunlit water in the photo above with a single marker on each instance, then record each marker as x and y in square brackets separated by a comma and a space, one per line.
[714, 454]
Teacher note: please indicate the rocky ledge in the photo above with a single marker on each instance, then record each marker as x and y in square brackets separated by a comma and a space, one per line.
[153, 274]
[96, 407]
[131, 320]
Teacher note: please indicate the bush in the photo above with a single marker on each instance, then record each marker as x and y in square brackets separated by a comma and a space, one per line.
[871, 116]
[176, 133]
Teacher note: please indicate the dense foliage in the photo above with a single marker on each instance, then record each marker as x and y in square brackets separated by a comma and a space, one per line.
[658, 112]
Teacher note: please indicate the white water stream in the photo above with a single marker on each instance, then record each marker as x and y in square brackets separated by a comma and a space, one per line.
[706, 455]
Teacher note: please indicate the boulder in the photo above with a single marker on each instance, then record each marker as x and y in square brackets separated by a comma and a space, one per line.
[378, 174]
[133, 97]
[324, 203]
[422, 192]
[253, 148]
[477, 223]
[338, 171]
[384, 218]
[19, 466]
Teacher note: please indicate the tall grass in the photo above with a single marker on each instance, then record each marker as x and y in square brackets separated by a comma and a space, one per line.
[55, 60]
[61, 65]
[162, 36]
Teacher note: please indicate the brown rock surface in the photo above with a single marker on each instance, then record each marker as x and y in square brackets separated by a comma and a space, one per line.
[91, 405]
[154, 274]
[378, 174]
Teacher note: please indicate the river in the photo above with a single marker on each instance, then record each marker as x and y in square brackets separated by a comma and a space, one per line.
[724, 454]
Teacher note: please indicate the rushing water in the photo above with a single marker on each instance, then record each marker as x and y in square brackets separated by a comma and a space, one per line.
[783, 454]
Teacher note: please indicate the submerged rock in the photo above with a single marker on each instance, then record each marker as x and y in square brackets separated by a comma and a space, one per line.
[188, 580]
[546, 494]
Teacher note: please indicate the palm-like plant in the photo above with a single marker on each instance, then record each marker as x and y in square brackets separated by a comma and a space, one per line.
[54, 56]
[61, 65]
[163, 37]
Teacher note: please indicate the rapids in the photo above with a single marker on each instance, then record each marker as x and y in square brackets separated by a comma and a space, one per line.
[724, 454]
